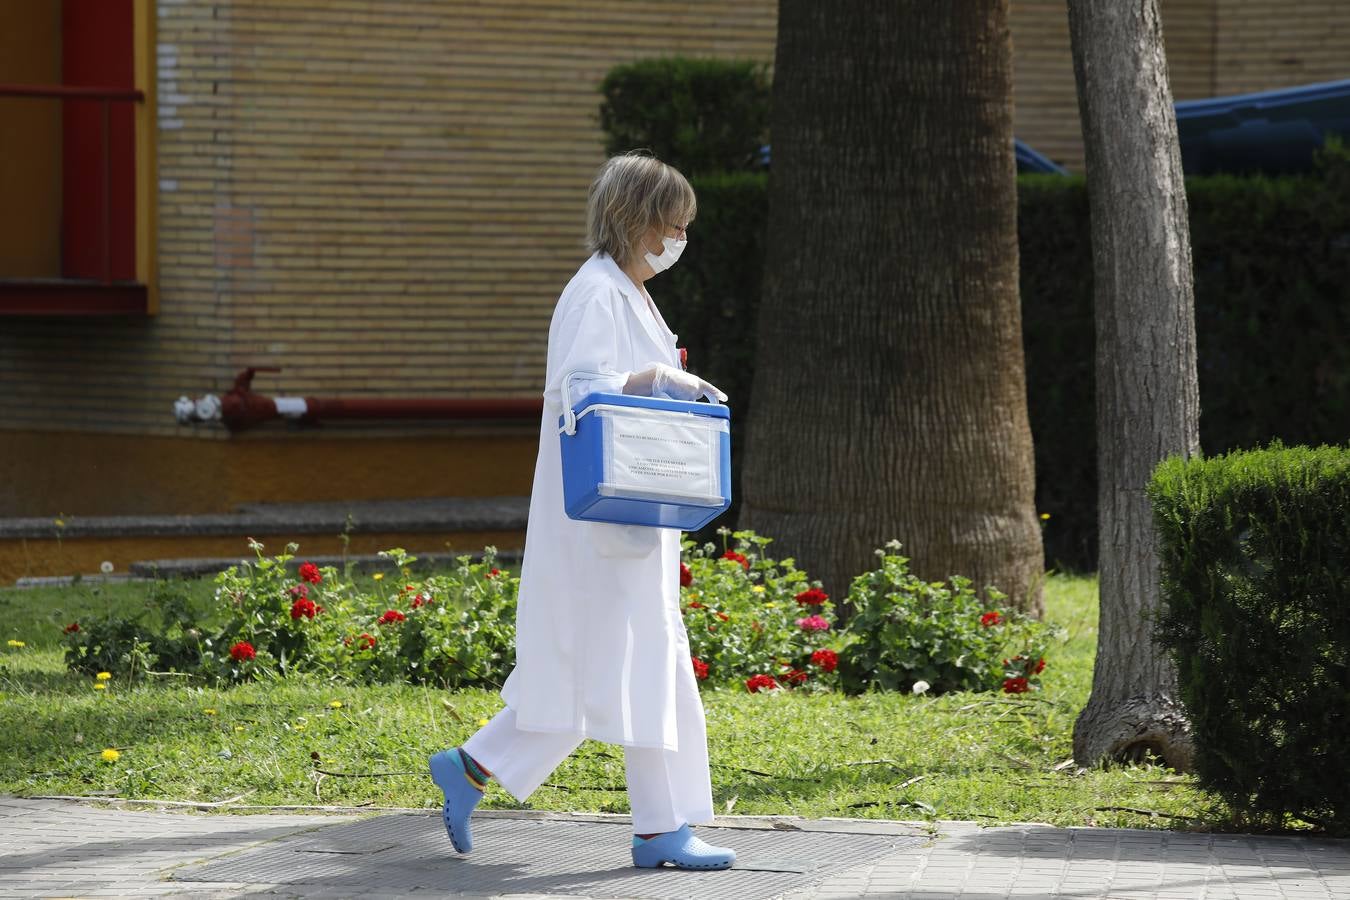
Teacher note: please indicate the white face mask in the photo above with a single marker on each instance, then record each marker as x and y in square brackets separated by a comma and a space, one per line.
[673, 249]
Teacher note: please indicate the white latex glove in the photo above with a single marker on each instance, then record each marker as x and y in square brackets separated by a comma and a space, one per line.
[662, 380]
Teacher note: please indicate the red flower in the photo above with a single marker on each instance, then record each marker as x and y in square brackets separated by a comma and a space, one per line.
[1015, 685]
[686, 576]
[813, 623]
[826, 659]
[812, 597]
[310, 572]
[793, 676]
[300, 590]
[724, 617]
[365, 642]
[303, 607]
[242, 651]
[700, 667]
[1040, 666]
[694, 604]
[756, 683]
[993, 617]
[736, 557]
[494, 573]
[420, 600]
[406, 588]
[391, 615]
[71, 628]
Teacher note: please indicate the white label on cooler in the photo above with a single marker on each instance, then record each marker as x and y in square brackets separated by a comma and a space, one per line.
[674, 458]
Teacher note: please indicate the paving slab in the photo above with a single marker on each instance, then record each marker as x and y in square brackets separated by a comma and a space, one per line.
[59, 848]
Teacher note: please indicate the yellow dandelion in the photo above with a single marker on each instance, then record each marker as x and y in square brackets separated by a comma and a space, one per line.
[378, 576]
[208, 712]
[336, 704]
[103, 676]
[100, 686]
[299, 728]
[758, 589]
[769, 604]
[1045, 517]
[17, 644]
[111, 755]
[482, 722]
[239, 728]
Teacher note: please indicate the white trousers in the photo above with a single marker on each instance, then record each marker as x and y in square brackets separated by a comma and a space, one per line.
[666, 789]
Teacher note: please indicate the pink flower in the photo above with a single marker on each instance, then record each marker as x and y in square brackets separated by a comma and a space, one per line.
[813, 623]
[300, 590]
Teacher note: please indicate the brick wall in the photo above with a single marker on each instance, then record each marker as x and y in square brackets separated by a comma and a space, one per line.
[1268, 44]
[380, 196]
[384, 197]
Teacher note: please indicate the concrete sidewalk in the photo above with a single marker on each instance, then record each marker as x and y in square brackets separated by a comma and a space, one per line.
[55, 848]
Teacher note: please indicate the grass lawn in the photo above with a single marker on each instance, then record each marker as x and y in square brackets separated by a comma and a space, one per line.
[987, 757]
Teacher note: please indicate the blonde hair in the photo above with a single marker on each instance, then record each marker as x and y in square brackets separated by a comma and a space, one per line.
[632, 193]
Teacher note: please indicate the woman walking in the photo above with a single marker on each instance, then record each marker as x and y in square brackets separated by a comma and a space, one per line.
[601, 650]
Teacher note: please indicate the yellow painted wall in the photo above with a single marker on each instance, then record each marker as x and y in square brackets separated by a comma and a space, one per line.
[30, 141]
[52, 472]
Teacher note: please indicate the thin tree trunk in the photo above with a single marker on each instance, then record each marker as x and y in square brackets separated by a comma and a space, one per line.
[890, 394]
[1148, 404]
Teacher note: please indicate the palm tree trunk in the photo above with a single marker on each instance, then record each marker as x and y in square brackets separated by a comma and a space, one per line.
[890, 394]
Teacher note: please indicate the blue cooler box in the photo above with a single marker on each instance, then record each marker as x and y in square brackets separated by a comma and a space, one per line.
[644, 461]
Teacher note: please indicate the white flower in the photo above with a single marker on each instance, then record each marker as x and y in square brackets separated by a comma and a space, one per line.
[106, 567]
[921, 687]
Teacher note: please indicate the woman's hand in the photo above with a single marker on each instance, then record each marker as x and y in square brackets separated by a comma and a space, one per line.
[663, 380]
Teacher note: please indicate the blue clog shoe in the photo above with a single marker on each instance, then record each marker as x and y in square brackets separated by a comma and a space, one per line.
[682, 850]
[460, 796]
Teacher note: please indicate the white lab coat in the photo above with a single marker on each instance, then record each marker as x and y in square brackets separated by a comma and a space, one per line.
[598, 627]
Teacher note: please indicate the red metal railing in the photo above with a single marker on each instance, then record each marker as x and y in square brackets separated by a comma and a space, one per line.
[106, 96]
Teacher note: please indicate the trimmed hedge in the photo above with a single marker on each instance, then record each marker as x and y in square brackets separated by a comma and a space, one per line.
[1272, 294]
[1255, 553]
[703, 116]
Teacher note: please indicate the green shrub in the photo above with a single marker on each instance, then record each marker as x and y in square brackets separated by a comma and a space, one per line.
[750, 615]
[754, 623]
[1255, 557]
[700, 115]
[453, 629]
[907, 634]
